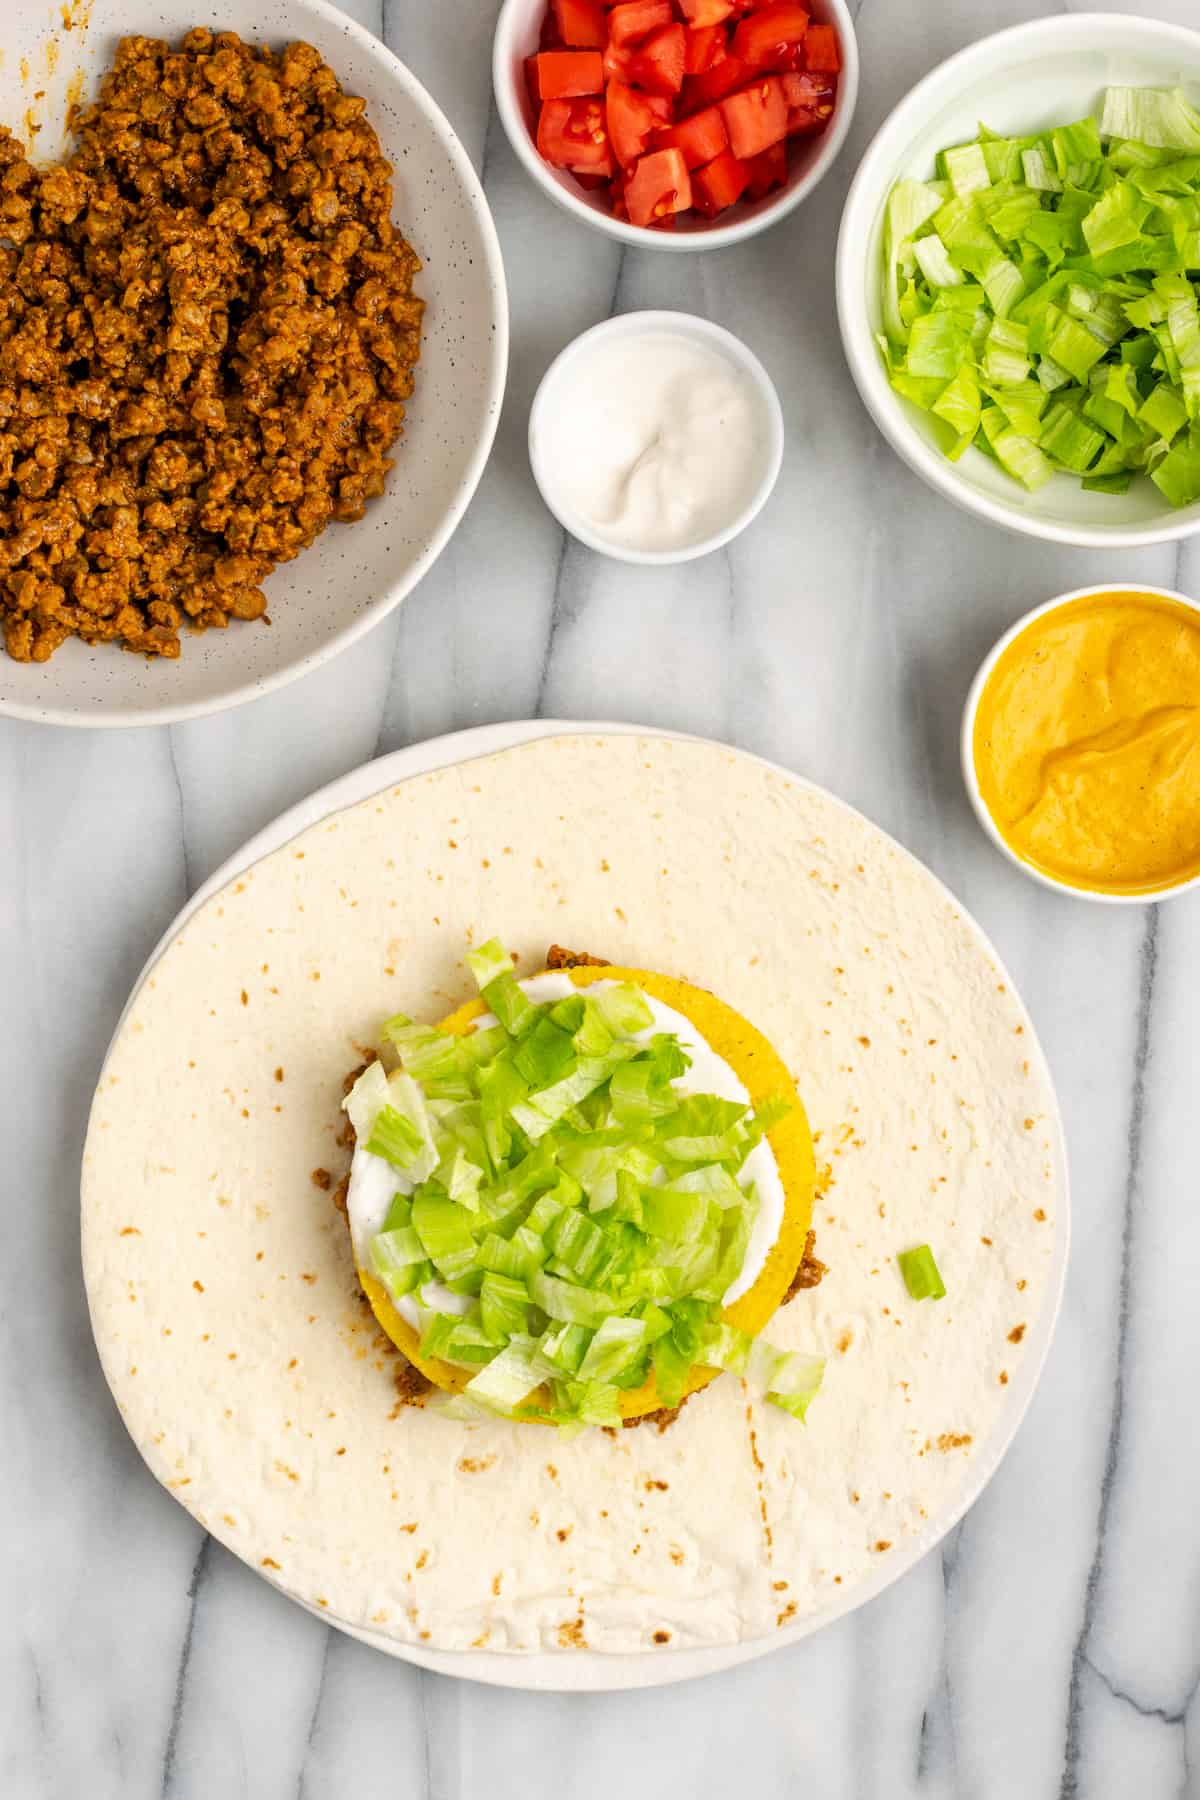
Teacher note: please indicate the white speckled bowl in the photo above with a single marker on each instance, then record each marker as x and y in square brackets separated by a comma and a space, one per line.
[346, 581]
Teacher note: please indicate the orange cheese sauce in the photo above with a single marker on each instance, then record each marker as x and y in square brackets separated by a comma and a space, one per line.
[1087, 743]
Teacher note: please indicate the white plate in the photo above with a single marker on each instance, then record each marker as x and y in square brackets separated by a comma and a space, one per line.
[352, 575]
[589, 1671]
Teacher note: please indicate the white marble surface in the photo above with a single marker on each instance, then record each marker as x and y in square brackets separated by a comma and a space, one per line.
[1052, 1648]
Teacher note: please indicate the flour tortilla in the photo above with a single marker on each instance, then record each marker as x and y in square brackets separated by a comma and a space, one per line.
[247, 1367]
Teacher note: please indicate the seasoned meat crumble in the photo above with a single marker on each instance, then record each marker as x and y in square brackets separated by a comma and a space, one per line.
[207, 337]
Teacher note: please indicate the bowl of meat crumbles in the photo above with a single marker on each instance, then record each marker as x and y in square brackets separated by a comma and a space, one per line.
[253, 340]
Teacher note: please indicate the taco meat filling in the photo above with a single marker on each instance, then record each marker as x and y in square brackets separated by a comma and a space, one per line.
[207, 339]
[810, 1271]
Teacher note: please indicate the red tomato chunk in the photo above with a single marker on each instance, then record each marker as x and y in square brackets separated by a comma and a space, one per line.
[719, 184]
[756, 118]
[659, 186]
[572, 135]
[767, 170]
[581, 23]
[706, 12]
[636, 19]
[703, 49]
[698, 139]
[671, 106]
[631, 119]
[809, 102]
[658, 63]
[766, 37]
[821, 50]
[564, 73]
[723, 78]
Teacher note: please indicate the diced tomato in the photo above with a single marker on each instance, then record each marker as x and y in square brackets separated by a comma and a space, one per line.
[562, 74]
[767, 170]
[658, 63]
[809, 102]
[704, 47]
[723, 78]
[719, 184]
[580, 23]
[659, 186]
[700, 13]
[764, 37]
[661, 106]
[821, 51]
[618, 64]
[756, 118]
[631, 119]
[699, 139]
[636, 19]
[807, 90]
[571, 134]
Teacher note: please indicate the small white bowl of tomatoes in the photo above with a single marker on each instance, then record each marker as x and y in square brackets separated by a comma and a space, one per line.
[677, 124]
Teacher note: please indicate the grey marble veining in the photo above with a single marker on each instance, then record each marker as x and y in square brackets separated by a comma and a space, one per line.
[1051, 1649]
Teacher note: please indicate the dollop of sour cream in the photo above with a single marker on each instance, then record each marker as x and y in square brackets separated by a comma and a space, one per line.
[655, 441]
[374, 1181]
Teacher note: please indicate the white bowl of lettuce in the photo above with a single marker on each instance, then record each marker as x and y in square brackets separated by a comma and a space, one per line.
[1018, 280]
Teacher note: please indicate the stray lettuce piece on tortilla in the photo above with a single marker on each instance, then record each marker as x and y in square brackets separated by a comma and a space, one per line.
[920, 1272]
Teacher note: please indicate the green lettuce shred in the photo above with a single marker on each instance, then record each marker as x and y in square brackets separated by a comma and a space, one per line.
[1064, 265]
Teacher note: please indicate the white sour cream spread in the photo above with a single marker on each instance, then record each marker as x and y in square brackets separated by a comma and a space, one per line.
[374, 1181]
[655, 441]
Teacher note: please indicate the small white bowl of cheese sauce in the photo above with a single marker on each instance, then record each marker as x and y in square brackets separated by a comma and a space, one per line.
[655, 437]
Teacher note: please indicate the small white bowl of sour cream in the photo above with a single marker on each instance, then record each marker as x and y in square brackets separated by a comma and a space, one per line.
[655, 437]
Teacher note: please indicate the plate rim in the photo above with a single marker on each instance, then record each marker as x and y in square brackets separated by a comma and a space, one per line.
[597, 1671]
[126, 718]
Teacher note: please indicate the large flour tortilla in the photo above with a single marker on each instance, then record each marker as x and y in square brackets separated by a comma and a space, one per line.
[220, 1279]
